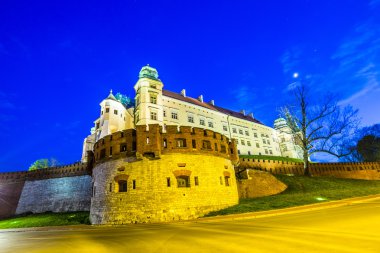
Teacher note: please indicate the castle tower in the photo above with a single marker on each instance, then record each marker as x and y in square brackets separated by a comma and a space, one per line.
[148, 100]
[286, 138]
[113, 117]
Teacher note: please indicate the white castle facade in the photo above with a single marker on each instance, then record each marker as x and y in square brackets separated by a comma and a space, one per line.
[154, 105]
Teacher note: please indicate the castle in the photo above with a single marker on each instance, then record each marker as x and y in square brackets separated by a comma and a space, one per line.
[170, 157]
[154, 105]
[173, 150]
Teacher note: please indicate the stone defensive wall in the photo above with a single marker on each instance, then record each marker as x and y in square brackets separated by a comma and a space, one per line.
[364, 170]
[56, 189]
[152, 175]
[153, 141]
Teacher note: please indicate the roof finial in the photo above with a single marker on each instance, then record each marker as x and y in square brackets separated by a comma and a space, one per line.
[110, 91]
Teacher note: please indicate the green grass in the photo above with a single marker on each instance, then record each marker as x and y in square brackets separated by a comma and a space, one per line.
[274, 158]
[46, 219]
[304, 190]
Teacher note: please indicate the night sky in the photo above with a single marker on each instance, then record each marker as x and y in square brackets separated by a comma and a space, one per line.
[59, 60]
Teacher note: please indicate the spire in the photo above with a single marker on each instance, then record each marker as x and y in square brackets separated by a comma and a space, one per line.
[111, 96]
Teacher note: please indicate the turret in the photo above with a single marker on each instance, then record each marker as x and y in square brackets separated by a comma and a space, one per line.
[113, 117]
[148, 100]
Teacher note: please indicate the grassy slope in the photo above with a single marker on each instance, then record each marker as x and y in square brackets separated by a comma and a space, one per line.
[304, 190]
[46, 219]
[268, 157]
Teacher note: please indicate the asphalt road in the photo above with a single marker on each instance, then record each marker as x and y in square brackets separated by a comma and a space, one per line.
[353, 228]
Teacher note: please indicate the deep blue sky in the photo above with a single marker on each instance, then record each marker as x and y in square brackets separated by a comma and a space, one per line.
[59, 60]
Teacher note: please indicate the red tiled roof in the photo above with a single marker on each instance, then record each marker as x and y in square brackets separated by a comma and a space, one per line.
[209, 106]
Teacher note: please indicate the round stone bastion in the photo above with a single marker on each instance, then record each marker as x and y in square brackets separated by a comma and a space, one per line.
[171, 187]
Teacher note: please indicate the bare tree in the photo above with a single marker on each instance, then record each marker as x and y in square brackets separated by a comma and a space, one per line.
[319, 125]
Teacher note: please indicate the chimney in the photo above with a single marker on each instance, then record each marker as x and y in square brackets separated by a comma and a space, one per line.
[242, 112]
[212, 102]
[251, 115]
[183, 92]
[200, 98]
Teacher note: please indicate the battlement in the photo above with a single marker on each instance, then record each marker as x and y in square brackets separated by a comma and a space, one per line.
[362, 170]
[153, 141]
[70, 170]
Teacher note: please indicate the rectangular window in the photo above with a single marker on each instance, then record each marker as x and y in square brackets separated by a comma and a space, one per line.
[249, 143]
[110, 151]
[227, 181]
[255, 134]
[268, 141]
[266, 151]
[107, 110]
[202, 122]
[257, 145]
[168, 181]
[270, 152]
[246, 133]
[134, 184]
[110, 187]
[196, 182]
[206, 145]
[122, 186]
[234, 130]
[153, 115]
[242, 142]
[194, 143]
[97, 125]
[183, 181]
[240, 131]
[210, 124]
[174, 115]
[165, 143]
[225, 128]
[153, 99]
[115, 112]
[164, 113]
[264, 141]
[223, 149]
[123, 147]
[190, 119]
[181, 143]
[216, 147]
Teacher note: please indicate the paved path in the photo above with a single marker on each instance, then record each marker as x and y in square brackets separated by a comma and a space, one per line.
[344, 228]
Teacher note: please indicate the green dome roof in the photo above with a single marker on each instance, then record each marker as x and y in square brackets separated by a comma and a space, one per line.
[280, 123]
[148, 72]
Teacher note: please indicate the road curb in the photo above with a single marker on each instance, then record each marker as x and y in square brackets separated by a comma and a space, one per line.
[290, 210]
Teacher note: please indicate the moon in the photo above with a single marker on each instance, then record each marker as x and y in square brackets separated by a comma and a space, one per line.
[295, 75]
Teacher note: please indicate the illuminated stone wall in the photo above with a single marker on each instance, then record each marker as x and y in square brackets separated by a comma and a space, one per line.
[64, 194]
[153, 200]
[365, 170]
[10, 191]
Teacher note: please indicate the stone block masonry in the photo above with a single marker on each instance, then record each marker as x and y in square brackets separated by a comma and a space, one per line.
[65, 194]
[364, 170]
[151, 190]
